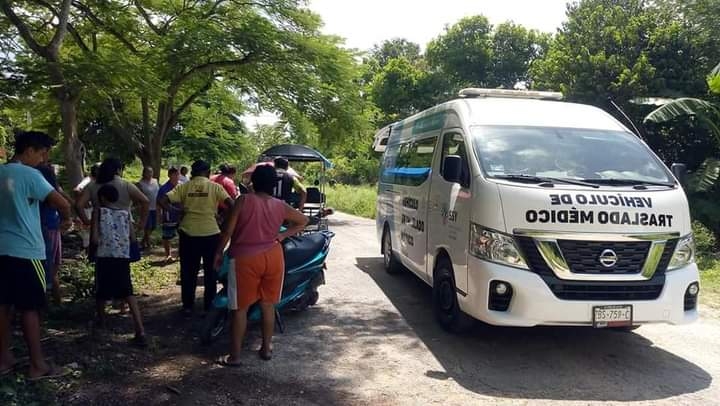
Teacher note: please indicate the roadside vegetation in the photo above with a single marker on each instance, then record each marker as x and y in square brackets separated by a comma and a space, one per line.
[358, 200]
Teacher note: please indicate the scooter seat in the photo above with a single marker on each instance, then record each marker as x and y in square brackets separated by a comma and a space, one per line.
[302, 249]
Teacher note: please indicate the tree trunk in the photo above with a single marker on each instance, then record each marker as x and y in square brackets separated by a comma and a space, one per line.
[151, 156]
[73, 146]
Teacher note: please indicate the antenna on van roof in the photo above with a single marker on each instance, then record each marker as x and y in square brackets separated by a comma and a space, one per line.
[637, 132]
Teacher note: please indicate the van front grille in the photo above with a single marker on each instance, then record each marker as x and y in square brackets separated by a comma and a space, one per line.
[606, 291]
[583, 256]
[580, 256]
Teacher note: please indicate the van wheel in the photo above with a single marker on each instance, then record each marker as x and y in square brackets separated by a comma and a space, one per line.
[390, 261]
[445, 303]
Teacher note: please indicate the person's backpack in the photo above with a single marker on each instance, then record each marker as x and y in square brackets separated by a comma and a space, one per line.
[283, 187]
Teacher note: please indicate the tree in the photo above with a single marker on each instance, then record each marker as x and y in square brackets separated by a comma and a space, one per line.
[395, 48]
[463, 51]
[620, 49]
[45, 43]
[148, 62]
[514, 49]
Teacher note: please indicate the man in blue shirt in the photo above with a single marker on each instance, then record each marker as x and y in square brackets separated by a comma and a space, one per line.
[22, 275]
[169, 218]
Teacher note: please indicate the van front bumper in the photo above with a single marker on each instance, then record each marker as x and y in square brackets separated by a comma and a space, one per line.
[533, 303]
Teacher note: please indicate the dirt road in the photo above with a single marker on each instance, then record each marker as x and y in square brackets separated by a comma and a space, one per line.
[372, 340]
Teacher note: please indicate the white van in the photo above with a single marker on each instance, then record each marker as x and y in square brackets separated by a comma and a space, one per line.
[522, 210]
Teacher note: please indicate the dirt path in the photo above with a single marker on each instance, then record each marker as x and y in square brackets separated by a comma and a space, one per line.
[372, 340]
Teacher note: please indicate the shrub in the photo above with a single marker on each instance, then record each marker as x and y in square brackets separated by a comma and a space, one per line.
[357, 200]
[705, 241]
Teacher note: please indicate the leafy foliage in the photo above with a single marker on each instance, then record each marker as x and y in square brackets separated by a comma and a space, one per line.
[685, 106]
[620, 49]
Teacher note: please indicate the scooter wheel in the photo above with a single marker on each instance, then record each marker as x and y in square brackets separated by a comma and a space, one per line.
[313, 298]
[215, 322]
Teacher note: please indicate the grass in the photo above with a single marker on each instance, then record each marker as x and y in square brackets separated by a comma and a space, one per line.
[710, 281]
[356, 200]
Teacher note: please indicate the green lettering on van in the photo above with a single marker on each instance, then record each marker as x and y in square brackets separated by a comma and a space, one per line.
[430, 122]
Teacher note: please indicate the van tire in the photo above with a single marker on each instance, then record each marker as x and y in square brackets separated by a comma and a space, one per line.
[445, 304]
[390, 261]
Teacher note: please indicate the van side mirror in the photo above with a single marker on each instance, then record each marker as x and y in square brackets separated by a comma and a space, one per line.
[452, 168]
[680, 172]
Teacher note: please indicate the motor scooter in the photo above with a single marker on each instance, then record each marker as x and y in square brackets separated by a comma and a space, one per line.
[305, 257]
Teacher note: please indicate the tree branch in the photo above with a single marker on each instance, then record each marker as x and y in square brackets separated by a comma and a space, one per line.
[78, 38]
[23, 29]
[189, 101]
[63, 18]
[70, 27]
[208, 67]
[95, 19]
[146, 16]
[213, 8]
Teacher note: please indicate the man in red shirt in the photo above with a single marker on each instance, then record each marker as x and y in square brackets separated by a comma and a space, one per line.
[226, 179]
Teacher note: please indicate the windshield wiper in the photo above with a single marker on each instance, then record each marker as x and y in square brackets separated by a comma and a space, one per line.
[636, 183]
[547, 180]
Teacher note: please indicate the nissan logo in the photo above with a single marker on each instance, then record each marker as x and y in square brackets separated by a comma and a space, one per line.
[608, 258]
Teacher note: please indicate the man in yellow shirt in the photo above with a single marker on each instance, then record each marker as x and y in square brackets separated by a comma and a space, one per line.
[199, 231]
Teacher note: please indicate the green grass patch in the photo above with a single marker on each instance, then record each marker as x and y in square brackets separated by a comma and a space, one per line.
[356, 200]
[709, 281]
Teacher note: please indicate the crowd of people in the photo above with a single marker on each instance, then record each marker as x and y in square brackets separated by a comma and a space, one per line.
[210, 215]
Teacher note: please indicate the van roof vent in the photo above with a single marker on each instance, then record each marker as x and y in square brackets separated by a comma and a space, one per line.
[471, 92]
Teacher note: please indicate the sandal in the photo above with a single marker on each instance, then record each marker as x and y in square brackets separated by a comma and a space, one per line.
[53, 372]
[139, 341]
[19, 362]
[10, 370]
[225, 362]
[265, 355]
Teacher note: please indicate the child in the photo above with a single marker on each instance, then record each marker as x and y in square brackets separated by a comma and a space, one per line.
[112, 233]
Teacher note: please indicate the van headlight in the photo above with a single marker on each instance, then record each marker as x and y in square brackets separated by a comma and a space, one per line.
[494, 246]
[684, 253]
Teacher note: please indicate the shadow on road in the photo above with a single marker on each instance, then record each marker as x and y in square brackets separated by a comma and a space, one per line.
[177, 370]
[558, 363]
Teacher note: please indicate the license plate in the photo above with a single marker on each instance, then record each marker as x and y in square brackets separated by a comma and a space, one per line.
[612, 316]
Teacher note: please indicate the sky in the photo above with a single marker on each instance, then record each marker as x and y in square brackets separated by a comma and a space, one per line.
[364, 23]
[367, 22]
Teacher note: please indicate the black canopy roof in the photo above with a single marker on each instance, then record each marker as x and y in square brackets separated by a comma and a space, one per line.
[296, 152]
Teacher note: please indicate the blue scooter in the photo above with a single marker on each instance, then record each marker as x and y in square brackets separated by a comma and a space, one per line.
[304, 271]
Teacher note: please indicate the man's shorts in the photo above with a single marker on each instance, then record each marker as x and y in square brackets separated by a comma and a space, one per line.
[22, 283]
[169, 231]
[151, 223]
[53, 254]
[112, 278]
[257, 277]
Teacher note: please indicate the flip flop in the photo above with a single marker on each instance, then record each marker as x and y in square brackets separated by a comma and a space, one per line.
[265, 355]
[225, 361]
[8, 371]
[53, 372]
[139, 341]
[19, 362]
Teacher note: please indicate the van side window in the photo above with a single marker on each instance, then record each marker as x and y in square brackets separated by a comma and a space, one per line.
[408, 163]
[453, 144]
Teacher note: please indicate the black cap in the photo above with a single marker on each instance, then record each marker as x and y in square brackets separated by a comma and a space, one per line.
[200, 166]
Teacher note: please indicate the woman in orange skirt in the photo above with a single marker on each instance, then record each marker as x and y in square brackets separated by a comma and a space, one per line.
[253, 232]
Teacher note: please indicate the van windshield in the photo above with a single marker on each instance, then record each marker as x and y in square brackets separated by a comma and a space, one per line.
[594, 156]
